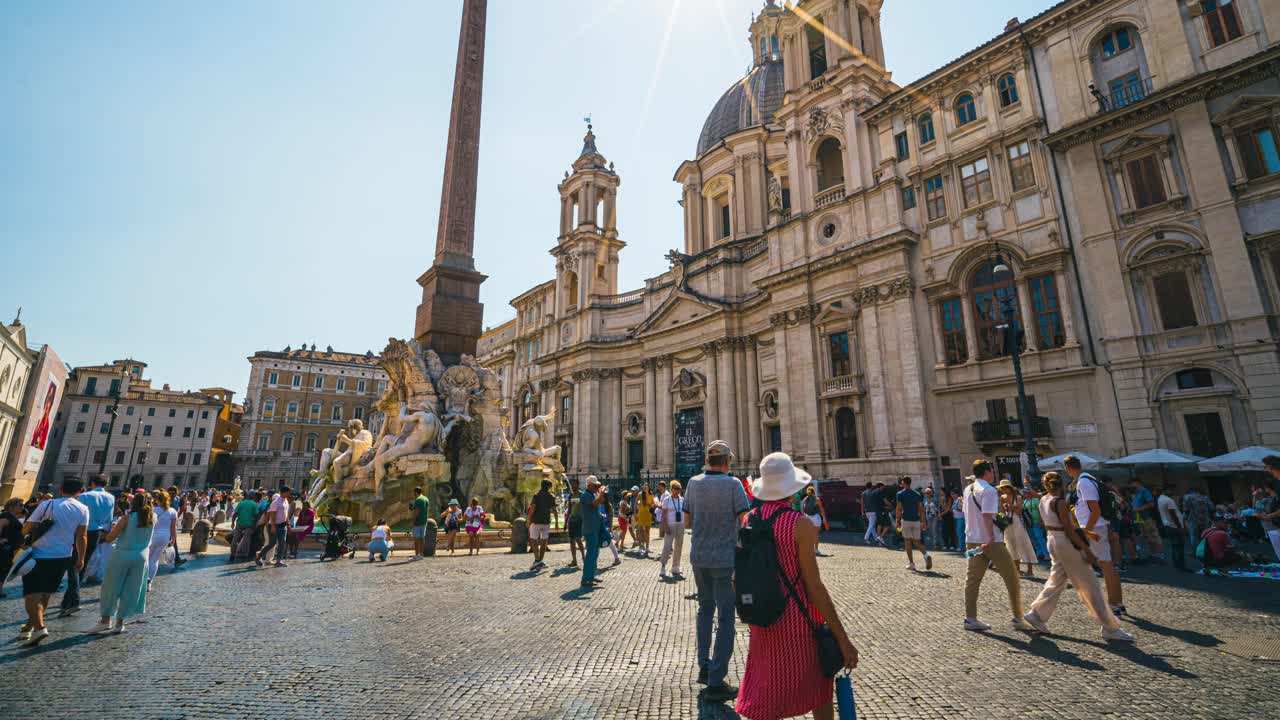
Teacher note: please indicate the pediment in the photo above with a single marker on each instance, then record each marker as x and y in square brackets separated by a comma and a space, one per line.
[1136, 142]
[838, 311]
[688, 380]
[1246, 107]
[680, 306]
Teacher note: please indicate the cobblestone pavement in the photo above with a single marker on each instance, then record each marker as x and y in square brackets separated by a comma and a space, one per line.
[459, 637]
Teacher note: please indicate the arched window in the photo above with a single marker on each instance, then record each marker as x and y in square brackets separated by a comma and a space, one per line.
[925, 123]
[571, 289]
[991, 294]
[966, 110]
[846, 434]
[528, 407]
[830, 164]
[1008, 87]
[1115, 42]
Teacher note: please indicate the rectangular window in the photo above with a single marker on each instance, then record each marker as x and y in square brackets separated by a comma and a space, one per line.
[311, 443]
[817, 49]
[84, 408]
[838, 347]
[908, 198]
[195, 459]
[114, 391]
[204, 414]
[786, 198]
[1047, 316]
[1021, 174]
[264, 440]
[1116, 42]
[337, 412]
[73, 455]
[146, 431]
[128, 410]
[291, 411]
[91, 386]
[104, 428]
[80, 426]
[996, 410]
[726, 227]
[124, 429]
[191, 414]
[318, 382]
[925, 123]
[173, 412]
[297, 380]
[182, 458]
[1221, 21]
[273, 379]
[1257, 145]
[99, 456]
[359, 413]
[954, 344]
[286, 443]
[164, 458]
[1145, 181]
[975, 180]
[119, 457]
[341, 384]
[186, 432]
[1206, 434]
[151, 412]
[1194, 378]
[315, 411]
[360, 386]
[904, 148]
[168, 431]
[200, 433]
[1173, 295]
[934, 199]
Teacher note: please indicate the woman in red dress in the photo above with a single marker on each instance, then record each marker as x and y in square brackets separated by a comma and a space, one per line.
[783, 678]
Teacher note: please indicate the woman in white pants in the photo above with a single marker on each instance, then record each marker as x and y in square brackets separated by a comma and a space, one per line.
[165, 534]
[672, 517]
[1072, 562]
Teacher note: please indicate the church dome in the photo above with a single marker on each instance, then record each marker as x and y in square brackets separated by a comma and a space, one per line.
[751, 102]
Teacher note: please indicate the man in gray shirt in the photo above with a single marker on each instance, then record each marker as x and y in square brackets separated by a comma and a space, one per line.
[714, 504]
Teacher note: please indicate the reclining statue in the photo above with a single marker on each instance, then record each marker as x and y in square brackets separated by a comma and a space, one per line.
[528, 449]
[420, 431]
[337, 461]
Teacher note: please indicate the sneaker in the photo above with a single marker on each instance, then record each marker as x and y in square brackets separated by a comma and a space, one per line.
[720, 693]
[100, 627]
[702, 676]
[257, 561]
[24, 632]
[1035, 622]
[68, 612]
[280, 563]
[36, 638]
[975, 625]
[616, 563]
[676, 574]
[119, 628]
[572, 565]
[928, 562]
[1023, 625]
[912, 567]
[1118, 635]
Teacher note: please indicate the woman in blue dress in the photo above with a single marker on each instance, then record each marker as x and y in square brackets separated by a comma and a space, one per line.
[124, 585]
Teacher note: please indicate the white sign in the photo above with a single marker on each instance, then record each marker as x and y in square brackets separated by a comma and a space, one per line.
[1081, 429]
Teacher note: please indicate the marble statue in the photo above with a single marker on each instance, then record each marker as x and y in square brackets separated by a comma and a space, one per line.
[528, 447]
[337, 461]
[775, 193]
[420, 431]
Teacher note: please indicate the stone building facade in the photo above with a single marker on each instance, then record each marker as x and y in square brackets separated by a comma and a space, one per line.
[160, 436]
[837, 297]
[33, 448]
[296, 403]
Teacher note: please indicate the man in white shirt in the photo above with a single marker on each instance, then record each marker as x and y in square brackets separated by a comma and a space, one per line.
[1173, 527]
[1089, 516]
[981, 504]
[61, 548]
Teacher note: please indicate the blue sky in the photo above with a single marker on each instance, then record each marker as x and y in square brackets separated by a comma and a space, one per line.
[187, 183]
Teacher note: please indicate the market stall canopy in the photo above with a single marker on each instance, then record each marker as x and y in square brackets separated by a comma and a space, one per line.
[1055, 463]
[1158, 456]
[1241, 460]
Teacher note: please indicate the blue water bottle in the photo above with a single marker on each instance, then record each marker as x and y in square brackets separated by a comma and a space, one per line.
[844, 697]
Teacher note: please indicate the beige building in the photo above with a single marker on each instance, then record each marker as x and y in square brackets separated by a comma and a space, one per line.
[159, 436]
[296, 403]
[836, 295]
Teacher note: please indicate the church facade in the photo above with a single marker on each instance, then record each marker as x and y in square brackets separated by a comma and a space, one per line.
[1103, 176]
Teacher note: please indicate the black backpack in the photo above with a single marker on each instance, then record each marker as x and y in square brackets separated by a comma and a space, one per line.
[1106, 501]
[760, 597]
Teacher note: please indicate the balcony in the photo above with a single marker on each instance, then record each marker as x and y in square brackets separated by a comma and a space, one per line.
[830, 196]
[840, 385]
[1009, 429]
[1196, 337]
[1123, 92]
[613, 300]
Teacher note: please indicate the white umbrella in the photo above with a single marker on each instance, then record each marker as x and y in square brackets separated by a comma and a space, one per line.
[1241, 460]
[1159, 456]
[1055, 462]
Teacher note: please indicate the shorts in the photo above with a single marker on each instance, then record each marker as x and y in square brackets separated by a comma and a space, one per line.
[911, 529]
[472, 529]
[419, 531]
[46, 576]
[451, 527]
[1102, 546]
[539, 531]
[816, 520]
[575, 528]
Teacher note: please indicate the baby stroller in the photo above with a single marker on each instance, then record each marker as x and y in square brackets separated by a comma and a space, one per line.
[338, 540]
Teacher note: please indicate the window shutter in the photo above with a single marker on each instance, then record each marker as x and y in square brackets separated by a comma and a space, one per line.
[1173, 295]
[996, 410]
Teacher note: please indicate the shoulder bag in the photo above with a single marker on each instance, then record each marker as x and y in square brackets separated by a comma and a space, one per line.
[830, 658]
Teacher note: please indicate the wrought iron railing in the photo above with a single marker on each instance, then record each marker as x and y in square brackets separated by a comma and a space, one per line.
[1125, 93]
[1009, 429]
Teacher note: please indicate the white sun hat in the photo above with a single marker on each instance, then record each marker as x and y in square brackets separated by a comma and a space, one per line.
[779, 478]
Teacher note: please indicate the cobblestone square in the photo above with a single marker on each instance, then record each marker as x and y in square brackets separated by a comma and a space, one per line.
[480, 637]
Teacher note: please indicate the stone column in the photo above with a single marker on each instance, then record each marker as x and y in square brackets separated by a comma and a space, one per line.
[619, 418]
[753, 403]
[913, 411]
[841, 28]
[743, 398]
[728, 395]
[578, 398]
[711, 406]
[801, 365]
[666, 420]
[786, 415]
[610, 209]
[879, 444]
[651, 425]
[967, 310]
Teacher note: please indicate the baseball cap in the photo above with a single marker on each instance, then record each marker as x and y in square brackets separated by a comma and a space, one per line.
[719, 448]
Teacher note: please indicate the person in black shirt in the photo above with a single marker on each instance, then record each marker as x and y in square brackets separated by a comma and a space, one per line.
[539, 520]
[10, 537]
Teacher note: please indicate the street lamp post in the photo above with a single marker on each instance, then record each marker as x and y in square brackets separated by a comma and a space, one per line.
[111, 429]
[142, 466]
[1012, 338]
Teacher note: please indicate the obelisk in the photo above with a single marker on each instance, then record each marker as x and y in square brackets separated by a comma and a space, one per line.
[450, 318]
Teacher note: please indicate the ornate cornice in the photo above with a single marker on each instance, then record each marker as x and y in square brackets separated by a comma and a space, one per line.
[895, 289]
[897, 240]
[795, 316]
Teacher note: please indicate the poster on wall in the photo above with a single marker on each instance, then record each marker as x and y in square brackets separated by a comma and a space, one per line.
[40, 435]
[690, 443]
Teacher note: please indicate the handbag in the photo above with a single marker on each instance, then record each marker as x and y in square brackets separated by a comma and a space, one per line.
[830, 658]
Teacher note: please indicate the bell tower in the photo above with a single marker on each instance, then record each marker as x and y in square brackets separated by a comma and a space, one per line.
[586, 251]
